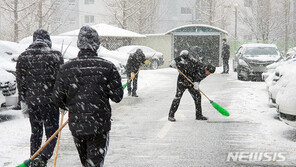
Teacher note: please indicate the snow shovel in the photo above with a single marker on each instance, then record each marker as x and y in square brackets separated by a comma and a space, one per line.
[220, 109]
[58, 142]
[28, 161]
[125, 85]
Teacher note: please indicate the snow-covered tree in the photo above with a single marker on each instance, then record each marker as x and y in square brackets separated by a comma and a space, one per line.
[14, 12]
[268, 20]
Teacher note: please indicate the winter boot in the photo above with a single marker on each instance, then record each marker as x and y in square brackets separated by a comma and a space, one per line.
[39, 162]
[135, 94]
[201, 118]
[172, 119]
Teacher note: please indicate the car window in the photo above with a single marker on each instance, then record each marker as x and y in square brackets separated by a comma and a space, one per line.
[255, 51]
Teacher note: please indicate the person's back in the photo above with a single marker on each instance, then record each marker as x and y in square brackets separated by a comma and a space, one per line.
[37, 68]
[36, 71]
[89, 82]
[135, 61]
[84, 87]
[191, 67]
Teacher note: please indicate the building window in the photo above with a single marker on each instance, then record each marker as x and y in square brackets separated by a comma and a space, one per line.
[185, 10]
[89, 19]
[248, 3]
[89, 1]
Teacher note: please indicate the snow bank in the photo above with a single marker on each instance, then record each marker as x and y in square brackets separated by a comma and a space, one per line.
[106, 30]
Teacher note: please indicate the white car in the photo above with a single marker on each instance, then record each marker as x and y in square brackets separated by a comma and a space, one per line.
[286, 99]
[156, 61]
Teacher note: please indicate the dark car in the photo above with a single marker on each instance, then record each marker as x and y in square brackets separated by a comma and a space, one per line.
[251, 60]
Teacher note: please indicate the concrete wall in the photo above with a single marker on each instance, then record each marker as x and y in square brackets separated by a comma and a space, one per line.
[160, 43]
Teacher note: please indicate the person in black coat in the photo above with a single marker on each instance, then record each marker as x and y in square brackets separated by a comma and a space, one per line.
[134, 62]
[36, 71]
[225, 56]
[196, 72]
[84, 87]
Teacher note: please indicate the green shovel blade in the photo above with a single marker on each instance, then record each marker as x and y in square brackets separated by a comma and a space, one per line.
[220, 109]
[124, 86]
[25, 164]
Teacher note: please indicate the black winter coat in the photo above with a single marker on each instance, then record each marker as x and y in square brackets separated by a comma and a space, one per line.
[192, 68]
[134, 62]
[36, 71]
[225, 51]
[85, 85]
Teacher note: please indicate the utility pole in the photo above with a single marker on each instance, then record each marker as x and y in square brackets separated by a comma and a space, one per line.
[287, 23]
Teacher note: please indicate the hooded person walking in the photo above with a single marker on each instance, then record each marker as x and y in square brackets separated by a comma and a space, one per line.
[196, 72]
[84, 87]
[36, 71]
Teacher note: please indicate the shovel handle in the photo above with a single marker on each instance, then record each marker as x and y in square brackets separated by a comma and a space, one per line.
[58, 142]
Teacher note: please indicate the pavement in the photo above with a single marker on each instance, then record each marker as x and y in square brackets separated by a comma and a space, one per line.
[141, 135]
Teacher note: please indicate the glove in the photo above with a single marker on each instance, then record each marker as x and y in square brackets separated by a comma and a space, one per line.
[173, 64]
[147, 62]
[196, 85]
[133, 75]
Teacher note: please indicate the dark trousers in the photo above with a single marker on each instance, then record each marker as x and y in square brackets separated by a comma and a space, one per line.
[134, 82]
[181, 87]
[225, 66]
[47, 116]
[92, 149]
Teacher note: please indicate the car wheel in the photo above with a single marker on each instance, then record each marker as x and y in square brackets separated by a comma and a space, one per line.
[154, 65]
[239, 77]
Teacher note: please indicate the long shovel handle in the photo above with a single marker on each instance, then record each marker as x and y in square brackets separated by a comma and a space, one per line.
[58, 142]
[49, 140]
[193, 84]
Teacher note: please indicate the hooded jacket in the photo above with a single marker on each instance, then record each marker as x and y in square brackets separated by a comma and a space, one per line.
[135, 61]
[36, 70]
[192, 68]
[85, 85]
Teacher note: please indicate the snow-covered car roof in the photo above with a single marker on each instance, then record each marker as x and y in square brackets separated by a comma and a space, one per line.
[258, 45]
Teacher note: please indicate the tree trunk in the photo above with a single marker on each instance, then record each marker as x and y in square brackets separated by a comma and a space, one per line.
[40, 17]
[124, 19]
[16, 27]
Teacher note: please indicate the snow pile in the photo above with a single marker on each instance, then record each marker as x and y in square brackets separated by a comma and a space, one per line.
[106, 30]
[9, 51]
[6, 77]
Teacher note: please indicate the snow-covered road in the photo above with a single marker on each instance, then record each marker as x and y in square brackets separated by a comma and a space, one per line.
[141, 136]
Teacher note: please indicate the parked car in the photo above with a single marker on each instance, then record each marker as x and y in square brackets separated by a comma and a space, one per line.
[156, 61]
[286, 99]
[117, 58]
[251, 60]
